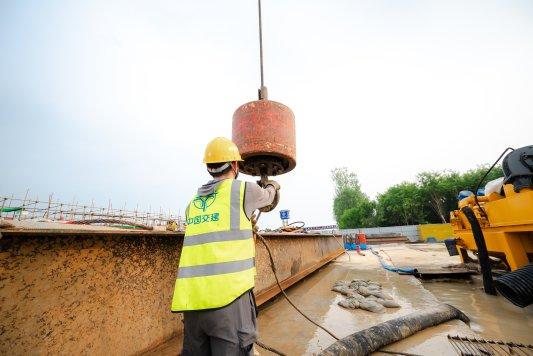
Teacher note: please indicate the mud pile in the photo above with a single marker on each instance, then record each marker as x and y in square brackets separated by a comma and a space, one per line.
[366, 295]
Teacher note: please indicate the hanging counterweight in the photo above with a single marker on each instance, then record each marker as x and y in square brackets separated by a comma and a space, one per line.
[264, 131]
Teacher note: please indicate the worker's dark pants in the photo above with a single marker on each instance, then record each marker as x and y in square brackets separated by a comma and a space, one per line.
[231, 330]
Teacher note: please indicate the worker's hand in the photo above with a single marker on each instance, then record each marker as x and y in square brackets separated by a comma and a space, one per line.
[274, 203]
[274, 184]
[269, 182]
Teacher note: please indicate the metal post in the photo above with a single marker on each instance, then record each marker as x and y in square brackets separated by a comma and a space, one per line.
[24, 203]
[47, 212]
[35, 208]
[2, 208]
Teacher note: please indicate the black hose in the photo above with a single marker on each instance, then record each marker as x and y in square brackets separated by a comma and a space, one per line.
[483, 178]
[372, 339]
[483, 255]
[517, 286]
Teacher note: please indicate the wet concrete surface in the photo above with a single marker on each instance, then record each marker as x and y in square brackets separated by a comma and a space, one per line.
[492, 317]
[282, 327]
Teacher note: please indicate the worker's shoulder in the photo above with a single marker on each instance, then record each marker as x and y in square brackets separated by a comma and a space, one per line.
[250, 185]
[254, 191]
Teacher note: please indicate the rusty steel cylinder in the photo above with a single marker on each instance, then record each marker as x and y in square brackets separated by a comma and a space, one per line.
[264, 132]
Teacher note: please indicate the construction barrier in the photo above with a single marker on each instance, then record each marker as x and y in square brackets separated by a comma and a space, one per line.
[435, 232]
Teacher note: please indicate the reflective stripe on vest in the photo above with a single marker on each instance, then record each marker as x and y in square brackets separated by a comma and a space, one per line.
[217, 236]
[215, 268]
[217, 259]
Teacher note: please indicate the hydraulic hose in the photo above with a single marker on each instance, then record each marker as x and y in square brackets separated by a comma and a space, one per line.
[372, 339]
[517, 286]
[402, 270]
[483, 255]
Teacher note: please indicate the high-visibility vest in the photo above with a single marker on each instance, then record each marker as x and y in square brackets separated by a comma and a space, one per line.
[217, 263]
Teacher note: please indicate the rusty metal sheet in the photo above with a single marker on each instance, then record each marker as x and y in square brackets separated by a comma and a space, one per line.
[109, 293]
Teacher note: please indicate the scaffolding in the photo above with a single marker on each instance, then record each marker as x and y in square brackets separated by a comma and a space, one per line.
[51, 210]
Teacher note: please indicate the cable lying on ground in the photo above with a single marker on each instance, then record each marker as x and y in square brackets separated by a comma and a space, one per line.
[269, 348]
[273, 268]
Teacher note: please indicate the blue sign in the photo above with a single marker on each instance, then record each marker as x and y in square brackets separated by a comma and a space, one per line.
[284, 214]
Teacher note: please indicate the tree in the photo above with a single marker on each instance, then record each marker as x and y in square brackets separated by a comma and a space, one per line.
[344, 179]
[362, 215]
[346, 199]
[438, 191]
[348, 194]
[470, 178]
[427, 200]
[400, 205]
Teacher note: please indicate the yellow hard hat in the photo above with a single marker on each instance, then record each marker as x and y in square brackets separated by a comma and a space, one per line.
[220, 150]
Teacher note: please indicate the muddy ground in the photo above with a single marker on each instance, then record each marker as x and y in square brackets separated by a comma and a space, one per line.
[282, 327]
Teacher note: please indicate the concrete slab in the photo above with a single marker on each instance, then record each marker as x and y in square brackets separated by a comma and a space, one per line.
[283, 328]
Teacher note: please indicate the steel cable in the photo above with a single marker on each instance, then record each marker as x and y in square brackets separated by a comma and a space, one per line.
[261, 43]
[269, 348]
[273, 267]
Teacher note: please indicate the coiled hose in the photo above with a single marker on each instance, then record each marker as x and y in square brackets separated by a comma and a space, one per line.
[517, 286]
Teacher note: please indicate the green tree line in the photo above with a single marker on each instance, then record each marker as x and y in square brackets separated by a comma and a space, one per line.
[429, 199]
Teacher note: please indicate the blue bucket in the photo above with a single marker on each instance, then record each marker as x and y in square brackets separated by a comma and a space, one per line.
[350, 246]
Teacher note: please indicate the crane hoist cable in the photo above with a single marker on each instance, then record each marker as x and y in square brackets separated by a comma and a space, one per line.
[262, 92]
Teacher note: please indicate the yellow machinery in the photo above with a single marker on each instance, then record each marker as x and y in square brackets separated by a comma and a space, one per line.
[507, 225]
[499, 223]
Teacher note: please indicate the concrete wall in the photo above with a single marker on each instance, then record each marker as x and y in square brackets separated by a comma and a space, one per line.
[84, 293]
[295, 256]
[409, 231]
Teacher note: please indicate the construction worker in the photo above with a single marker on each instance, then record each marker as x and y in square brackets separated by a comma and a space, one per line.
[215, 280]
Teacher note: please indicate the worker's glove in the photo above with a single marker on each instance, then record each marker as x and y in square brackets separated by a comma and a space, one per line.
[269, 182]
[275, 202]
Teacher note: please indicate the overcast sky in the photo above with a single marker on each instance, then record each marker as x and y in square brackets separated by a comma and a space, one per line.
[117, 99]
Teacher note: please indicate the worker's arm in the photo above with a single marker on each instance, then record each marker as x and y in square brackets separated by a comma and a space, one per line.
[256, 197]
